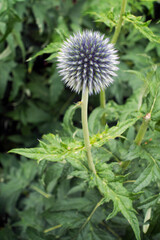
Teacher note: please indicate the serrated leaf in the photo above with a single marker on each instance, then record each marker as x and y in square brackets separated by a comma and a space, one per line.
[69, 219]
[108, 19]
[118, 194]
[142, 27]
[76, 203]
[55, 150]
[113, 213]
[116, 131]
[149, 202]
[38, 154]
[59, 150]
[144, 179]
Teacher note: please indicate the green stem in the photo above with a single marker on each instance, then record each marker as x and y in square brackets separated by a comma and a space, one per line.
[143, 129]
[114, 40]
[84, 115]
[89, 218]
[102, 104]
[119, 25]
[102, 99]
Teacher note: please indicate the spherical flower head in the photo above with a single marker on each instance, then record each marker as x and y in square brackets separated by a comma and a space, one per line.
[87, 60]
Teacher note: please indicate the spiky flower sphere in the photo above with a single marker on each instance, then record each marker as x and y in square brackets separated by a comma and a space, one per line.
[87, 59]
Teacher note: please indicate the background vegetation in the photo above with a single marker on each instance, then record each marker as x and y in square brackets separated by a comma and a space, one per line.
[56, 201]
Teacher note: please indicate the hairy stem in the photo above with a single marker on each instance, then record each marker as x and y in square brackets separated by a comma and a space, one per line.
[84, 115]
[143, 129]
[114, 40]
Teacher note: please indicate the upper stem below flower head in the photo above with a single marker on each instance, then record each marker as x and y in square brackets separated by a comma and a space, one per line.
[84, 115]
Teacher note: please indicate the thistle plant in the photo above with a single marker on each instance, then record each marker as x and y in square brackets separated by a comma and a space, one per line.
[62, 190]
[87, 62]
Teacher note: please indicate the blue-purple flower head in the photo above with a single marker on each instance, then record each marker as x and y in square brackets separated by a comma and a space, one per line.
[87, 60]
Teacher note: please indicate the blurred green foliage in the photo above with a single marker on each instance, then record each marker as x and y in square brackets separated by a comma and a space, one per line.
[54, 200]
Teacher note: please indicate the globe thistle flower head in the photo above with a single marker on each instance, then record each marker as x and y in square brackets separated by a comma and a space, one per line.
[87, 60]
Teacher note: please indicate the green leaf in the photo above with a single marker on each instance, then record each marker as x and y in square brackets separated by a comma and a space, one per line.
[6, 233]
[12, 18]
[114, 212]
[69, 219]
[52, 175]
[67, 120]
[33, 234]
[118, 194]
[142, 27]
[56, 87]
[94, 120]
[35, 114]
[19, 179]
[76, 203]
[55, 150]
[116, 131]
[6, 52]
[18, 38]
[108, 19]
[39, 13]
[29, 218]
[5, 69]
[149, 202]
[51, 48]
[18, 80]
[144, 179]
[38, 154]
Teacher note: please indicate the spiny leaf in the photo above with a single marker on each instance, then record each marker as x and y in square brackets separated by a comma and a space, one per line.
[108, 19]
[54, 149]
[116, 131]
[142, 27]
[38, 154]
[118, 194]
